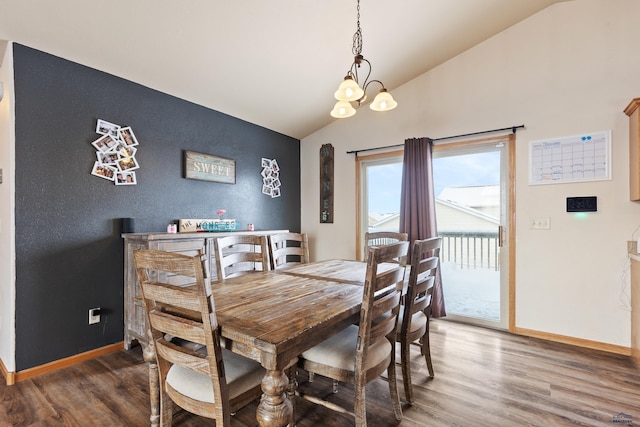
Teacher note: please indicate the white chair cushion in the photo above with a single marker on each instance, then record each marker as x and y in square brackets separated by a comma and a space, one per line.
[242, 375]
[339, 351]
[417, 320]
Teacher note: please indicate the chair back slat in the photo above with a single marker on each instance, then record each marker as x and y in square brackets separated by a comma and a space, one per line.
[185, 297]
[178, 326]
[175, 354]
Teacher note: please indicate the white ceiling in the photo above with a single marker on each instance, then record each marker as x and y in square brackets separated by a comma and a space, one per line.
[275, 63]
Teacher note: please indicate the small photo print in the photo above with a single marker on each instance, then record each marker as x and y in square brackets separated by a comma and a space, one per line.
[106, 128]
[126, 178]
[275, 192]
[104, 171]
[274, 165]
[125, 151]
[128, 164]
[107, 158]
[266, 163]
[127, 136]
[266, 189]
[105, 143]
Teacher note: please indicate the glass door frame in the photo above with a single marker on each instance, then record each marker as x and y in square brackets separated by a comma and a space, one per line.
[506, 236]
[507, 231]
[361, 194]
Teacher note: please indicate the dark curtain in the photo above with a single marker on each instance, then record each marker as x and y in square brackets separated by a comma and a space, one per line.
[418, 206]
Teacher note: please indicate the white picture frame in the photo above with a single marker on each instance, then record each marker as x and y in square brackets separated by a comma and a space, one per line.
[104, 171]
[127, 136]
[125, 178]
[127, 164]
[104, 127]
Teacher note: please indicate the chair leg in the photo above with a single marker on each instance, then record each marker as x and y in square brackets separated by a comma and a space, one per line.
[405, 356]
[166, 410]
[426, 349]
[291, 392]
[360, 409]
[393, 384]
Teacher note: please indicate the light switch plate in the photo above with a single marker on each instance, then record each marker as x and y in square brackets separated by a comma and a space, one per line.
[541, 223]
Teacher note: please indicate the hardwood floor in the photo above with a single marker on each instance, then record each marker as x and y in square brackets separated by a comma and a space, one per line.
[482, 378]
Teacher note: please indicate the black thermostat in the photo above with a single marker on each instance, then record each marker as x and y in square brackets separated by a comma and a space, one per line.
[582, 204]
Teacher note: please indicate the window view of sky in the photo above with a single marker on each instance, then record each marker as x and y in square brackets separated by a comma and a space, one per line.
[385, 181]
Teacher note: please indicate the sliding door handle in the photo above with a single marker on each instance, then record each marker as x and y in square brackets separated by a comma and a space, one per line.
[500, 236]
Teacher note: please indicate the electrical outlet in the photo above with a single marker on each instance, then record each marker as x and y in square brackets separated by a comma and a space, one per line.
[94, 315]
[540, 223]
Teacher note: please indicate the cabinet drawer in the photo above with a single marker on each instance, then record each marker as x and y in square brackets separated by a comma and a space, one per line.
[185, 247]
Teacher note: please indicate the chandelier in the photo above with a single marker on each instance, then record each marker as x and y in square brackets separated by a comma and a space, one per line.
[351, 92]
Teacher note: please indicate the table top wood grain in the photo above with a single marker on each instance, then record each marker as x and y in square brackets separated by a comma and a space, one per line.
[338, 270]
[272, 317]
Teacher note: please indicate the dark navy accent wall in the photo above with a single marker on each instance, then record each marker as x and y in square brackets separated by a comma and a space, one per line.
[69, 253]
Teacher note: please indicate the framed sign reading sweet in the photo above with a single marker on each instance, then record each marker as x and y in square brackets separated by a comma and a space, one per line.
[209, 168]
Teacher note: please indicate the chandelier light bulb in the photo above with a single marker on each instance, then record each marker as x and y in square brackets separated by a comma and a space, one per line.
[349, 90]
[342, 110]
[383, 102]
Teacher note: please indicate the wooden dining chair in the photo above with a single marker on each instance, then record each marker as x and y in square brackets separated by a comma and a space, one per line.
[413, 323]
[203, 378]
[240, 254]
[361, 353]
[382, 238]
[288, 248]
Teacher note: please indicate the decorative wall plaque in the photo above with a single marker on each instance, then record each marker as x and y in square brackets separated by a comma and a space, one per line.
[326, 183]
[209, 168]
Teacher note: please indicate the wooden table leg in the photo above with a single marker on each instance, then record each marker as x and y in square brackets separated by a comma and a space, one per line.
[275, 409]
[149, 356]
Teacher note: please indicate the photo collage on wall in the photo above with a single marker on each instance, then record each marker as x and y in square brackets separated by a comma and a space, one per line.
[270, 177]
[116, 153]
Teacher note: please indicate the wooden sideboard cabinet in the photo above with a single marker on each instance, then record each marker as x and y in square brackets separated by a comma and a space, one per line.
[634, 148]
[135, 323]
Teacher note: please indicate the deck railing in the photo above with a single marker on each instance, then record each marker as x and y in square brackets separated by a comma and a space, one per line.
[467, 249]
[470, 250]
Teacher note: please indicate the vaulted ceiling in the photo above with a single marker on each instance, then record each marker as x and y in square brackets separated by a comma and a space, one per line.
[275, 63]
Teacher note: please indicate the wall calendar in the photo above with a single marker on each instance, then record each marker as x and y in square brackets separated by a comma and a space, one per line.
[585, 157]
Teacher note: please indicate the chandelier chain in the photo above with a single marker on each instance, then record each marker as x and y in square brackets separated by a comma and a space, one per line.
[357, 37]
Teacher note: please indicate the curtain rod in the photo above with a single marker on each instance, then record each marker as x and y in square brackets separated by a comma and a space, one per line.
[512, 129]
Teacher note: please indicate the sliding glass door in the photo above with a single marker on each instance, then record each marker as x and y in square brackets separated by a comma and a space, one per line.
[471, 209]
[472, 186]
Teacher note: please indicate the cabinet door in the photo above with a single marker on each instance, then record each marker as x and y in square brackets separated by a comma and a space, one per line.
[634, 148]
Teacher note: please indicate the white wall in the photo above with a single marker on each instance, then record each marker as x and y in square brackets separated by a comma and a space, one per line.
[7, 208]
[570, 69]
